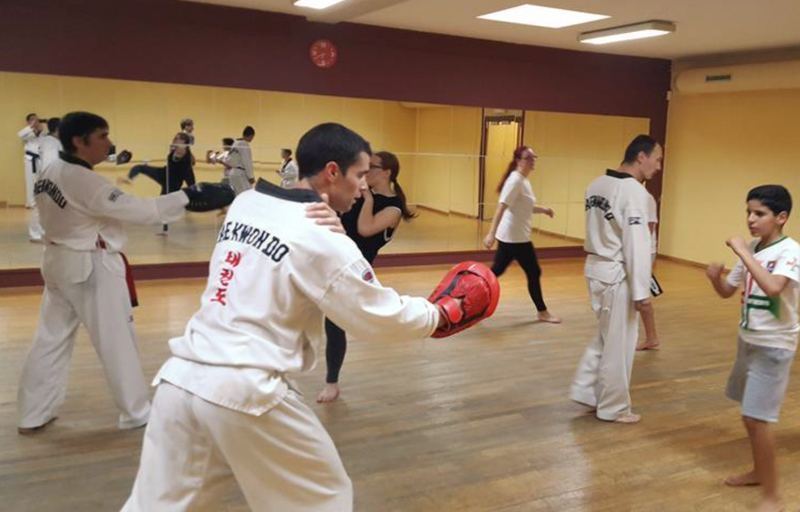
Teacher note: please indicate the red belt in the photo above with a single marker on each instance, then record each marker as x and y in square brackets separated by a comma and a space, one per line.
[128, 275]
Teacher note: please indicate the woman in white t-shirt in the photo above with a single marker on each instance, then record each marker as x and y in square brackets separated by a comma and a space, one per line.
[512, 226]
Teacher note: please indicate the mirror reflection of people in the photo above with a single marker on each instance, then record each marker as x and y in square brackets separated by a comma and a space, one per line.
[288, 170]
[83, 216]
[187, 127]
[172, 176]
[371, 223]
[239, 162]
[512, 225]
[30, 139]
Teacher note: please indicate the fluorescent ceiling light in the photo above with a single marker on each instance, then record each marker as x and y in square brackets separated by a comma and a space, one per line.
[539, 16]
[317, 4]
[628, 32]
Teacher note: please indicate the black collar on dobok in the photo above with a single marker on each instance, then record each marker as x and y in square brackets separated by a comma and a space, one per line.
[298, 195]
[617, 174]
[74, 160]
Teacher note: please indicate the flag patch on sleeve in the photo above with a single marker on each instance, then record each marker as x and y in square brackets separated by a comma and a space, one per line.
[115, 195]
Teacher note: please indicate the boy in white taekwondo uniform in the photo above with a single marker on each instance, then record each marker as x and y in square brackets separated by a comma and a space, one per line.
[288, 170]
[85, 282]
[618, 269]
[224, 404]
[769, 270]
[30, 139]
[240, 162]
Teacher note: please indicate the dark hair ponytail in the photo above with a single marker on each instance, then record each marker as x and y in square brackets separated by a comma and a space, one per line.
[512, 165]
[389, 161]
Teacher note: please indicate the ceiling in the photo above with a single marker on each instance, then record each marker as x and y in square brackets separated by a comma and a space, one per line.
[705, 27]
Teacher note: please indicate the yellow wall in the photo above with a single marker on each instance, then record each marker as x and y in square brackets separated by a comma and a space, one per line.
[719, 146]
[573, 149]
[145, 116]
[446, 168]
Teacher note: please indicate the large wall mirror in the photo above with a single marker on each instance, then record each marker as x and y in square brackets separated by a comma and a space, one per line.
[452, 157]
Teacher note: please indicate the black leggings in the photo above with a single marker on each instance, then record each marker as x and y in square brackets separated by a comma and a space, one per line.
[526, 257]
[334, 350]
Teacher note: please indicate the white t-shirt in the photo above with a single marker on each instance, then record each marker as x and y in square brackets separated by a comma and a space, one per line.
[770, 321]
[652, 218]
[517, 222]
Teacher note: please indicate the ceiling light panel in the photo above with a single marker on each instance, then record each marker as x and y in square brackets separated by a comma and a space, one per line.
[538, 16]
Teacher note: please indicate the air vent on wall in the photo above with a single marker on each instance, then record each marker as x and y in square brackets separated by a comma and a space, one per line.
[719, 78]
[743, 77]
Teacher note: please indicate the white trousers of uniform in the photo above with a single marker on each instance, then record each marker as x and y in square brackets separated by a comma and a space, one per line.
[238, 180]
[604, 373]
[283, 460]
[35, 231]
[102, 304]
[30, 179]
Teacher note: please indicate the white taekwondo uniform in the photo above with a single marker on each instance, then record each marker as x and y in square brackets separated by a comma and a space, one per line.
[240, 161]
[49, 148]
[224, 404]
[30, 140]
[84, 274]
[289, 173]
[618, 269]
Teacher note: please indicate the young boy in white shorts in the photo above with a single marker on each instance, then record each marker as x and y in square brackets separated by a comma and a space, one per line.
[769, 270]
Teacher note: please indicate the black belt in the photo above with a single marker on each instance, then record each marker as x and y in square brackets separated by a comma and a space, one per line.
[34, 158]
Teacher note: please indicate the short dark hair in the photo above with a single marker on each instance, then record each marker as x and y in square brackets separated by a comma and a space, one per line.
[287, 151]
[640, 143]
[227, 141]
[184, 137]
[774, 197]
[329, 142]
[53, 123]
[79, 124]
[248, 131]
[186, 122]
[29, 117]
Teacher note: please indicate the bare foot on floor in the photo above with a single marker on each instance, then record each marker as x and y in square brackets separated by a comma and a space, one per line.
[545, 316]
[770, 505]
[33, 430]
[328, 394]
[628, 418]
[741, 480]
[648, 345]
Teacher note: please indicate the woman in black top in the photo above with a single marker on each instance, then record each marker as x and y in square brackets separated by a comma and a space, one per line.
[371, 224]
[179, 169]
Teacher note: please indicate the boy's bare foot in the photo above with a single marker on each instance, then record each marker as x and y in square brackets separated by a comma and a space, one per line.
[648, 345]
[741, 480]
[770, 505]
[328, 394]
[628, 418]
[545, 316]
